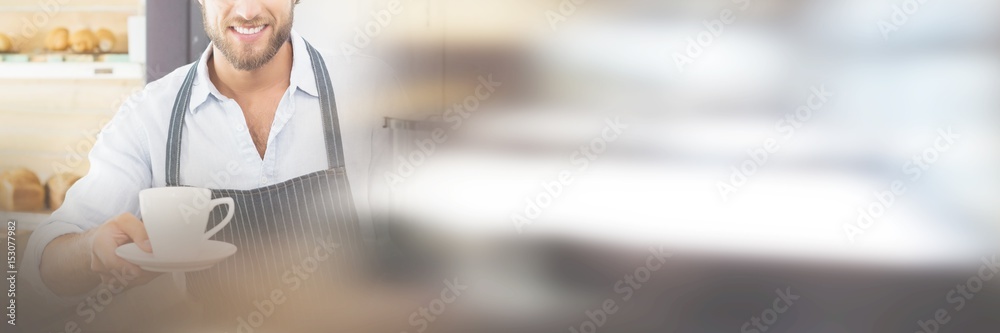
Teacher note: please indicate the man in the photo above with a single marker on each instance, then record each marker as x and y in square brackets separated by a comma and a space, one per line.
[254, 112]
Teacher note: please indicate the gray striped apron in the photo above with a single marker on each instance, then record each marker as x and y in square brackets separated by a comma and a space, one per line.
[284, 230]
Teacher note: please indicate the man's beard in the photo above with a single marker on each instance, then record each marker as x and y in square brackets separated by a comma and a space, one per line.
[244, 58]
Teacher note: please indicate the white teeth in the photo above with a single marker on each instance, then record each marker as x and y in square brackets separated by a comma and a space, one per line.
[248, 31]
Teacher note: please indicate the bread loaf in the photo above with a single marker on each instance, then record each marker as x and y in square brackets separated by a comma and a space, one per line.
[6, 45]
[56, 188]
[20, 190]
[83, 41]
[105, 40]
[58, 40]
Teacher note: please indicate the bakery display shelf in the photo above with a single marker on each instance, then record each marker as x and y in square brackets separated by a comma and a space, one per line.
[71, 70]
[73, 9]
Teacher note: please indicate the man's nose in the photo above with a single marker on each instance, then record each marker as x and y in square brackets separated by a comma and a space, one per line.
[247, 9]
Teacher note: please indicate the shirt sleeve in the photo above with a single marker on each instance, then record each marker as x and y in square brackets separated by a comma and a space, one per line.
[119, 169]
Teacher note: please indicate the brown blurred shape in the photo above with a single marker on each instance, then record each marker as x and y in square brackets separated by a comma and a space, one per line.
[20, 190]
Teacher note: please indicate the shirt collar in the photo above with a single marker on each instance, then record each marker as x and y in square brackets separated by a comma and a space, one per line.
[302, 77]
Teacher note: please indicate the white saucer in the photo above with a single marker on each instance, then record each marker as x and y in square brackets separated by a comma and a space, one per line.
[213, 253]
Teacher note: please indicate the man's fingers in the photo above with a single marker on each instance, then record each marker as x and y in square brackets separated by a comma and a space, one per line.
[135, 230]
[98, 267]
[132, 270]
[104, 250]
[95, 263]
[107, 264]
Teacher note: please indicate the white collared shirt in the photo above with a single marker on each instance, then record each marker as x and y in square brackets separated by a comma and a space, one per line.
[217, 150]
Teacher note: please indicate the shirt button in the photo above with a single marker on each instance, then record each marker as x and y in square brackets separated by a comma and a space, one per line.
[263, 180]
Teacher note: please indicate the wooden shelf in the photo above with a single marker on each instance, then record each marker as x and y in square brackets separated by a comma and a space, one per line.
[73, 9]
[70, 70]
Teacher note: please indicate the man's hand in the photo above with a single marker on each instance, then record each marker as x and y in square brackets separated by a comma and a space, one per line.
[73, 264]
[118, 231]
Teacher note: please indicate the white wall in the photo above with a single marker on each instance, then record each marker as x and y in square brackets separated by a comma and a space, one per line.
[326, 23]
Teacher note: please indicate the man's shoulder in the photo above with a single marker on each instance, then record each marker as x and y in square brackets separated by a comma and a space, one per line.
[151, 99]
[151, 106]
[167, 86]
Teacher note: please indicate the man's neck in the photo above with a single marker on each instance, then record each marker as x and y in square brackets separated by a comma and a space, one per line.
[235, 83]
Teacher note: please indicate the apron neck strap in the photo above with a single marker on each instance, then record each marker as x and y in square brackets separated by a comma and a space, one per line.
[328, 106]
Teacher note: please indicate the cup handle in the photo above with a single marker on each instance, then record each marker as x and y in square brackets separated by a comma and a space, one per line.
[225, 221]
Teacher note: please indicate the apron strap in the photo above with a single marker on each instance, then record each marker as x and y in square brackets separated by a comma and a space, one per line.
[328, 105]
[181, 104]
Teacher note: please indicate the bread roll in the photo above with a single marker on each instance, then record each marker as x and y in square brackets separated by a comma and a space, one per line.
[105, 40]
[20, 190]
[83, 41]
[56, 188]
[6, 45]
[58, 40]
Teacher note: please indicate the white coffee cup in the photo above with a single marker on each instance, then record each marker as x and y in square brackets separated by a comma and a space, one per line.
[176, 218]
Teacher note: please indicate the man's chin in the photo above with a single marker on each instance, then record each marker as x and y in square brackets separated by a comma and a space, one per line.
[255, 46]
[249, 55]
[249, 64]
[245, 57]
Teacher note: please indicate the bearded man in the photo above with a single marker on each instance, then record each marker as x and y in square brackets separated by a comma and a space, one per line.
[255, 119]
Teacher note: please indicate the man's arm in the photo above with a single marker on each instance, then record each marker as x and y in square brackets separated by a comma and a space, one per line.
[68, 256]
[74, 264]
[73, 251]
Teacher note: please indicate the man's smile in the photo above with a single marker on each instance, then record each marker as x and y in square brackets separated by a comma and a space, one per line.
[249, 33]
